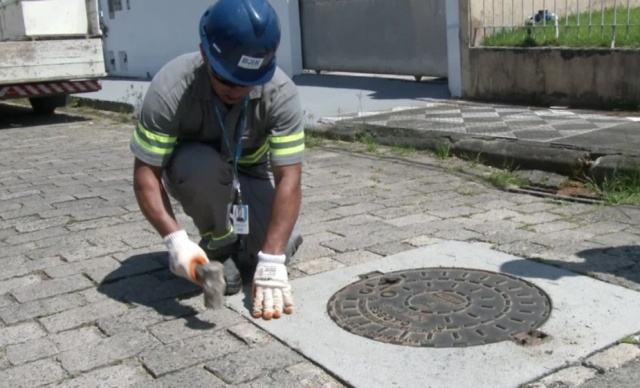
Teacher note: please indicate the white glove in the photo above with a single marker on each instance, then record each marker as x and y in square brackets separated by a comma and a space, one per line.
[184, 255]
[271, 289]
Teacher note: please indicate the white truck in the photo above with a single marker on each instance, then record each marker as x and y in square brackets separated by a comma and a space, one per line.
[50, 49]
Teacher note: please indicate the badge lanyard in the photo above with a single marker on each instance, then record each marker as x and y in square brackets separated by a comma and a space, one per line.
[240, 211]
[238, 152]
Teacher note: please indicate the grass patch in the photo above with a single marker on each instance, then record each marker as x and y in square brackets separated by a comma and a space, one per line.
[443, 151]
[574, 31]
[402, 150]
[369, 142]
[631, 339]
[505, 178]
[312, 140]
[619, 189]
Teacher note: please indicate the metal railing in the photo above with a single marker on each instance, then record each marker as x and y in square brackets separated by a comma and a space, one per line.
[582, 23]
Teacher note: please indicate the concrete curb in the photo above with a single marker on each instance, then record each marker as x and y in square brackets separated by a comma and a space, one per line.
[111, 106]
[595, 162]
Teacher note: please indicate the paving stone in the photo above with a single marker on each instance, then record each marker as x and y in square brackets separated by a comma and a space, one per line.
[310, 251]
[310, 375]
[390, 248]
[41, 308]
[31, 351]
[137, 288]
[422, 241]
[250, 333]
[457, 235]
[411, 219]
[356, 257]
[616, 239]
[20, 266]
[112, 377]
[249, 364]
[572, 376]
[81, 337]
[93, 251]
[51, 288]
[94, 223]
[35, 236]
[53, 247]
[20, 333]
[613, 357]
[534, 207]
[192, 326]
[178, 355]
[32, 375]
[79, 316]
[553, 226]
[19, 282]
[136, 318]
[191, 377]
[107, 351]
[495, 215]
[42, 224]
[4, 364]
[315, 266]
[599, 228]
[6, 301]
[459, 211]
[100, 263]
[14, 222]
[559, 239]
[537, 218]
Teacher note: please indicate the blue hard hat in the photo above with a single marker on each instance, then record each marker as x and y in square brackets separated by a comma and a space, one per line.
[240, 39]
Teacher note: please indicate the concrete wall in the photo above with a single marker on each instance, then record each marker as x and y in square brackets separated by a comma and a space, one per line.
[549, 76]
[146, 34]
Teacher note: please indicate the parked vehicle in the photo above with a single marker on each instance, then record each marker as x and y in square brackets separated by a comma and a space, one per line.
[49, 49]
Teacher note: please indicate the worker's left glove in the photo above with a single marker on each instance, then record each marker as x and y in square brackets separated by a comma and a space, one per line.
[271, 290]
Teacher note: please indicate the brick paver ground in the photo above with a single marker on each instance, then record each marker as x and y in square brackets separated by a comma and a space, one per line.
[86, 297]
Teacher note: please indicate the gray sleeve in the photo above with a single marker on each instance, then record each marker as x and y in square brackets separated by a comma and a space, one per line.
[155, 135]
[285, 125]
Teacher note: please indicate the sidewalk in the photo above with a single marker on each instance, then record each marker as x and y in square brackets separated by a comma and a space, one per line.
[400, 111]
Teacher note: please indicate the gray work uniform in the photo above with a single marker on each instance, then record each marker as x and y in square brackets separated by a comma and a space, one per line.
[179, 130]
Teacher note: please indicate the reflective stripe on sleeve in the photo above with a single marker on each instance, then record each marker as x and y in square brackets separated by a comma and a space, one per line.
[287, 145]
[152, 142]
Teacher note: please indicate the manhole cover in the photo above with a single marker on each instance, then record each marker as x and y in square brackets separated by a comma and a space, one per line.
[441, 307]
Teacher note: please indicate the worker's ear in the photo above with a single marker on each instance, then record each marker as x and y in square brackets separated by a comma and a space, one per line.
[204, 56]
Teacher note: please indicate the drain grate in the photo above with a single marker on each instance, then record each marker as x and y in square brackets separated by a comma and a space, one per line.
[441, 307]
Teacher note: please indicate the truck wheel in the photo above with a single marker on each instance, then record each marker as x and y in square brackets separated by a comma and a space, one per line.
[47, 105]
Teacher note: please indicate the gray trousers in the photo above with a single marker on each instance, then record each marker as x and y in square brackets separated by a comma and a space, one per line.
[200, 179]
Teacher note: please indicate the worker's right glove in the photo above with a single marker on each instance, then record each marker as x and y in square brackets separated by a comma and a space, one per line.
[184, 255]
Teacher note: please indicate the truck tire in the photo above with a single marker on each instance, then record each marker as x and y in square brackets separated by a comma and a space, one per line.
[47, 105]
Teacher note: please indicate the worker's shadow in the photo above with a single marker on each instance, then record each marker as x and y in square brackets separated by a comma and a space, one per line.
[622, 262]
[146, 280]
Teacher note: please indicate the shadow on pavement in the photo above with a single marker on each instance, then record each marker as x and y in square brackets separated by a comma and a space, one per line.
[377, 87]
[147, 281]
[621, 262]
[13, 116]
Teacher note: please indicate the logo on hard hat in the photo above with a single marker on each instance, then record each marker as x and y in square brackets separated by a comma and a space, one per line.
[250, 63]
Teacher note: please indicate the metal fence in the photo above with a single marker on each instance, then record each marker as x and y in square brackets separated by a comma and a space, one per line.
[578, 23]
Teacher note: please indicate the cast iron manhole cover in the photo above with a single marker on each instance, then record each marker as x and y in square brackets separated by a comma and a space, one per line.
[441, 307]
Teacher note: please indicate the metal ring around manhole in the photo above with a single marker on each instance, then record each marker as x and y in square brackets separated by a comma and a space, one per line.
[440, 307]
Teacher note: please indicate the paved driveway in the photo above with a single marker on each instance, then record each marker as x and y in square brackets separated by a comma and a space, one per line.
[85, 296]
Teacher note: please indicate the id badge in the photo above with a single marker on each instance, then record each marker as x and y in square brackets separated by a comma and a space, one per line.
[241, 219]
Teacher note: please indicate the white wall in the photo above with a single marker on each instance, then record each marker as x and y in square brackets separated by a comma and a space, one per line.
[140, 40]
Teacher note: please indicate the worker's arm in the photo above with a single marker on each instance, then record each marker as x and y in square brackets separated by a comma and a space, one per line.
[152, 198]
[285, 208]
[184, 254]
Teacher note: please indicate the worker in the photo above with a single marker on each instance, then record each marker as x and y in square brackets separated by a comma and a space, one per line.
[221, 130]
